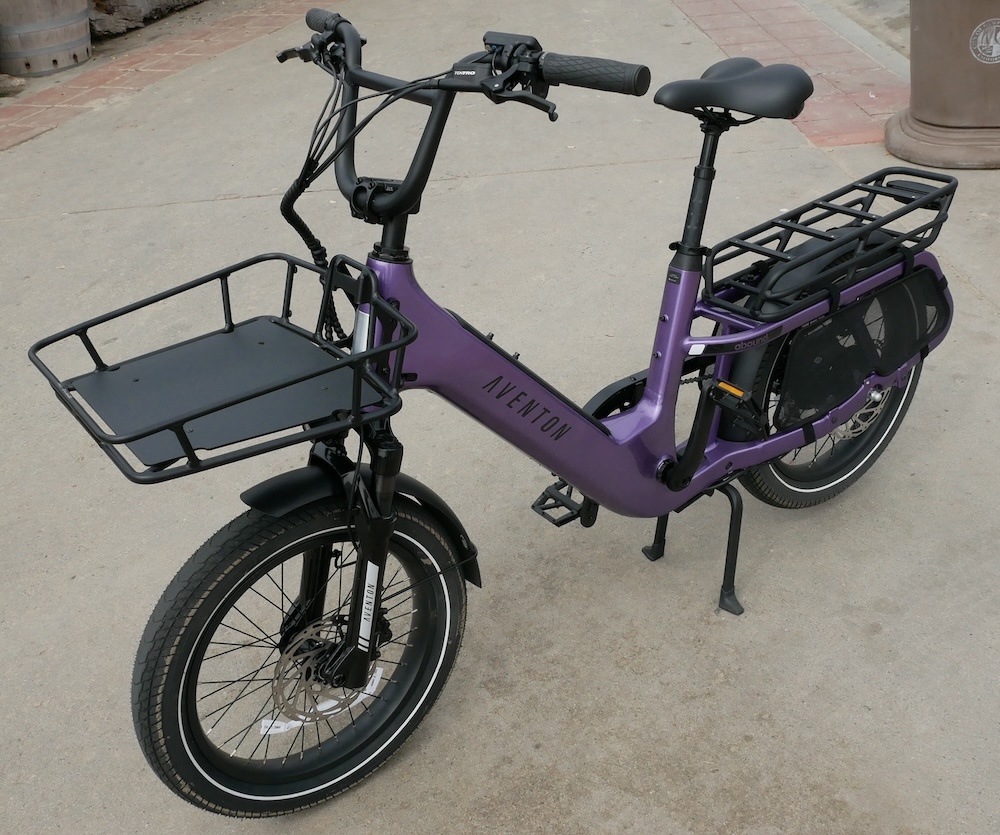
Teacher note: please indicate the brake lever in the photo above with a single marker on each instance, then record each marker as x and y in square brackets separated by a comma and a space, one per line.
[304, 52]
[318, 44]
[496, 88]
[527, 97]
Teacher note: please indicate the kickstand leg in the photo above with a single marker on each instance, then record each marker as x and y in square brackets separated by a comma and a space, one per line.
[727, 597]
[655, 551]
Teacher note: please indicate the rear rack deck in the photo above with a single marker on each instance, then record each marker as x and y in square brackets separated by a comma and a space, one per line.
[815, 251]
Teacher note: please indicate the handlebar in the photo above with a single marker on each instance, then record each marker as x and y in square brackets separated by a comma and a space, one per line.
[513, 68]
[574, 70]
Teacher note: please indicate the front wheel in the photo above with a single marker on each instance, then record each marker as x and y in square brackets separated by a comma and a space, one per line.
[230, 705]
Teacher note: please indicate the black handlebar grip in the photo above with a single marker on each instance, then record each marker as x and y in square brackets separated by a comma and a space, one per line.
[594, 73]
[320, 20]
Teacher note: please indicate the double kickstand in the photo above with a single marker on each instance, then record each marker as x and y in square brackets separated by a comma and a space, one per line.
[727, 596]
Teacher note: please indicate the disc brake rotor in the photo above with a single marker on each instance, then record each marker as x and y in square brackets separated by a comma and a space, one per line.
[862, 419]
[298, 691]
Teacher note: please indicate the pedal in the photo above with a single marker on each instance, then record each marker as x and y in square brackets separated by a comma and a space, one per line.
[746, 415]
[558, 506]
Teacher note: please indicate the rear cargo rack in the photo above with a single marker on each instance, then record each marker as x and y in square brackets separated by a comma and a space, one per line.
[234, 391]
[814, 252]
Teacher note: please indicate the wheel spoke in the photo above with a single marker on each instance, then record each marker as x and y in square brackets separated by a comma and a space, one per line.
[269, 643]
[245, 731]
[267, 599]
[223, 710]
[249, 620]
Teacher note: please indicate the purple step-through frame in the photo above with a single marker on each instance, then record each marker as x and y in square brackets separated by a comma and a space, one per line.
[613, 461]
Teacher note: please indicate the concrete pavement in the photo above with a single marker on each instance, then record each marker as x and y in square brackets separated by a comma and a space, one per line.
[859, 82]
[595, 692]
[889, 20]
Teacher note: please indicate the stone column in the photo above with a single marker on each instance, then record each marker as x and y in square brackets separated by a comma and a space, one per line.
[953, 120]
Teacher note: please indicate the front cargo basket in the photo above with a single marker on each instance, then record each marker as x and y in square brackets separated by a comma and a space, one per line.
[238, 389]
[814, 252]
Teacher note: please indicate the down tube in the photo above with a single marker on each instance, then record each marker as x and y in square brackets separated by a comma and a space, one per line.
[499, 393]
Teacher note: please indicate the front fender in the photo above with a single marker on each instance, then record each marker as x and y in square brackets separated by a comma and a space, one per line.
[319, 480]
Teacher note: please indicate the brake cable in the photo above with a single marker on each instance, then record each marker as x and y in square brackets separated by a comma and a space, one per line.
[324, 133]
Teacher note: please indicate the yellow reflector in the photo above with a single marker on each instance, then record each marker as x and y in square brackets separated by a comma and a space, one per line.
[730, 388]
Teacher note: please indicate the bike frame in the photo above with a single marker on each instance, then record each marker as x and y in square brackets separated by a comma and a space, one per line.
[614, 461]
[621, 461]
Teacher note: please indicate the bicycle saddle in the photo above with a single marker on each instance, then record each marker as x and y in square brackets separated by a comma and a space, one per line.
[778, 91]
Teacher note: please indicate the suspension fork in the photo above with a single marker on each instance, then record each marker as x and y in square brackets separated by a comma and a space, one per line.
[373, 521]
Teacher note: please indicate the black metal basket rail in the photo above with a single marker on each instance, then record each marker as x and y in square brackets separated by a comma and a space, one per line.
[248, 388]
[813, 252]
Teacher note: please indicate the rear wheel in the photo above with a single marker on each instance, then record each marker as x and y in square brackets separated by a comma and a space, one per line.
[230, 703]
[818, 471]
[811, 372]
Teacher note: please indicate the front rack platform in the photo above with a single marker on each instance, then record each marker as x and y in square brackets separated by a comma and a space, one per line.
[243, 389]
[813, 252]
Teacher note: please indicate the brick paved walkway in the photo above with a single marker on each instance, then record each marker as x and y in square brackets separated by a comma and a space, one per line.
[31, 114]
[854, 94]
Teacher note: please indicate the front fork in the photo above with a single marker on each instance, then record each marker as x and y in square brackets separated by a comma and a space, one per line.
[374, 521]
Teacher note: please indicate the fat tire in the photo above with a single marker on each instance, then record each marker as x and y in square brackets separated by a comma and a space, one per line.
[194, 608]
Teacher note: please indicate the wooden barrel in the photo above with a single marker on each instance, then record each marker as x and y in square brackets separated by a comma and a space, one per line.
[38, 37]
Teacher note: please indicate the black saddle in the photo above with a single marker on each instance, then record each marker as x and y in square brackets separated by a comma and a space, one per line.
[778, 91]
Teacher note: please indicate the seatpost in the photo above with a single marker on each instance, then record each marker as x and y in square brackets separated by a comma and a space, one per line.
[690, 256]
[690, 253]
